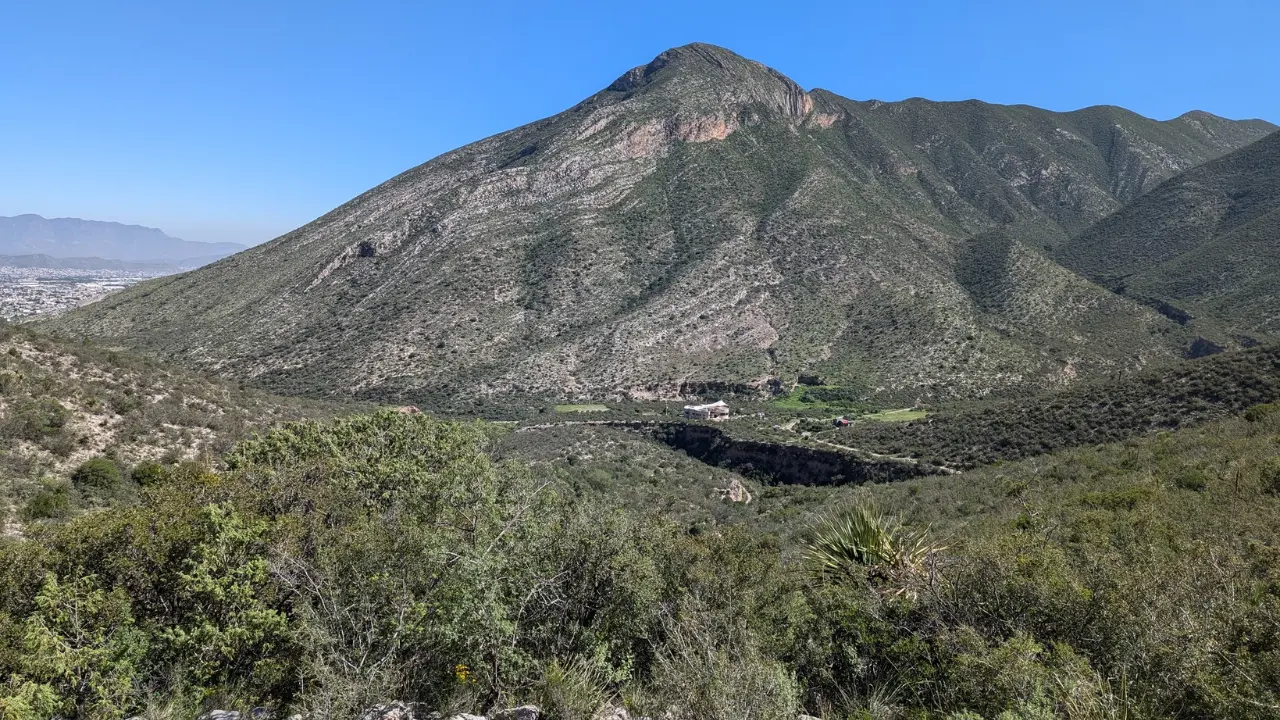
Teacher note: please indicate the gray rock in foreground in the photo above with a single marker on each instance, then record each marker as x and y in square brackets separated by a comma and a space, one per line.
[524, 712]
[220, 715]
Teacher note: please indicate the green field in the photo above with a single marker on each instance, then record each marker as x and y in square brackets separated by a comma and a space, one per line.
[818, 397]
[793, 401]
[902, 415]
[581, 408]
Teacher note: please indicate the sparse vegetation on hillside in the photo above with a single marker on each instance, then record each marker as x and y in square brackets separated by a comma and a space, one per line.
[1202, 247]
[75, 419]
[1162, 398]
[582, 408]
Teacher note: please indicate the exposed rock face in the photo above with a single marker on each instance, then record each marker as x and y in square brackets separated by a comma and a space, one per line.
[702, 219]
[736, 492]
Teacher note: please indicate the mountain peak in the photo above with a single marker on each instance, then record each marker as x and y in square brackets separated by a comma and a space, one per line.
[703, 77]
[692, 59]
[1215, 125]
[711, 57]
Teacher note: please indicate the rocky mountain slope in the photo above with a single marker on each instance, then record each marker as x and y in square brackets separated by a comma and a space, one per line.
[703, 221]
[1204, 246]
[76, 238]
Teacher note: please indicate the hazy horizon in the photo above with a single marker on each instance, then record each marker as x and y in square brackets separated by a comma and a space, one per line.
[206, 234]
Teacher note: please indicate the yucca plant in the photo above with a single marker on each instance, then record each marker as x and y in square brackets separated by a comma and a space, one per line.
[858, 539]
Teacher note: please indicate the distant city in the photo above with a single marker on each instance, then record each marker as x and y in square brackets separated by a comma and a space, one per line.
[51, 265]
[26, 291]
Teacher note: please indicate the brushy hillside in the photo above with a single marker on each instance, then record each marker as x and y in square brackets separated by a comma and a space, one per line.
[637, 472]
[1204, 246]
[1159, 399]
[703, 220]
[63, 405]
[334, 566]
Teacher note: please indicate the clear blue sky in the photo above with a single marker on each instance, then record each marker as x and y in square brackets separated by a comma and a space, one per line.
[236, 120]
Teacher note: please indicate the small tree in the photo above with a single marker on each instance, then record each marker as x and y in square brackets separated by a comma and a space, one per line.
[229, 628]
[80, 653]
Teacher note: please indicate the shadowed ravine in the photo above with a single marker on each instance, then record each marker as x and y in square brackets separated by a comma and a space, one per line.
[783, 463]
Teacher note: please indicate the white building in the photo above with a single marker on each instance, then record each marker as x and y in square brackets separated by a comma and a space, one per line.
[713, 411]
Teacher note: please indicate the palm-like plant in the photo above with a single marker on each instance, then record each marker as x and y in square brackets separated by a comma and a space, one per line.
[859, 539]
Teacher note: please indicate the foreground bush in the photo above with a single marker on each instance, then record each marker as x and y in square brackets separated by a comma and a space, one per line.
[338, 565]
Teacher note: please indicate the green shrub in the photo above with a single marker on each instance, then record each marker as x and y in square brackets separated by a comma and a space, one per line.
[1020, 678]
[1192, 479]
[9, 380]
[1258, 413]
[81, 652]
[27, 700]
[61, 444]
[1269, 475]
[228, 627]
[147, 474]
[98, 473]
[51, 502]
[712, 673]
[36, 419]
[124, 403]
[1125, 499]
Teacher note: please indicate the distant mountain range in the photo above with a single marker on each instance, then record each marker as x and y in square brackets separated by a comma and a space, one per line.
[76, 238]
[89, 263]
[704, 224]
